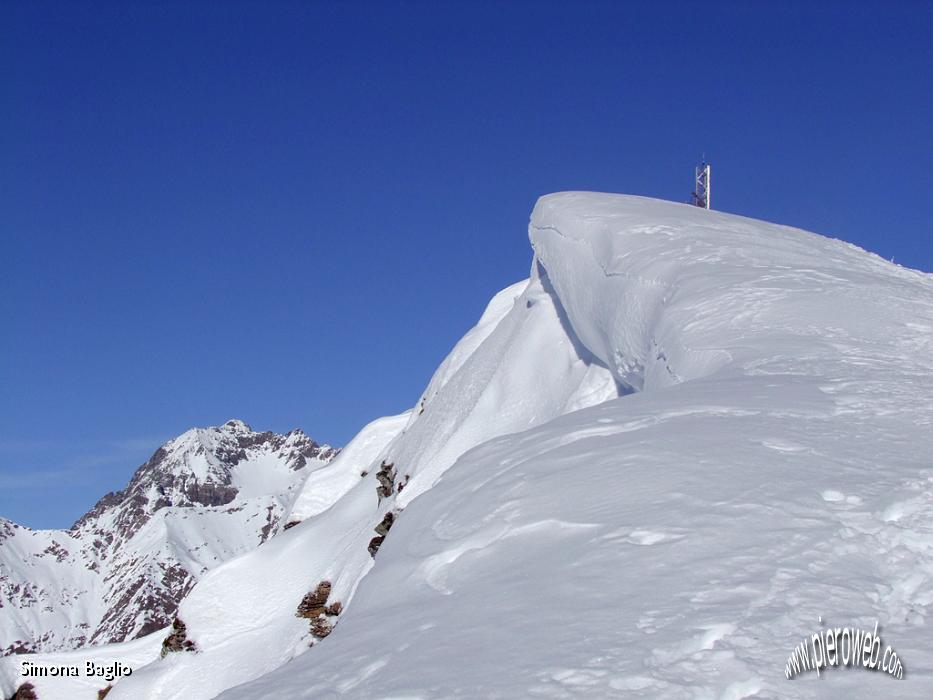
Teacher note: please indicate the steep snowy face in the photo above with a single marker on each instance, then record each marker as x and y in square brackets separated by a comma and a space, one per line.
[521, 366]
[121, 570]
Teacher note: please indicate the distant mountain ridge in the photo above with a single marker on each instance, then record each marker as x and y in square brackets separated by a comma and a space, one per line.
[120, 571]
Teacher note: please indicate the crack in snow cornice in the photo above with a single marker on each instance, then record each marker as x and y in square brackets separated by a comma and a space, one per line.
[652, 282]
[652, 348]
[650, 342]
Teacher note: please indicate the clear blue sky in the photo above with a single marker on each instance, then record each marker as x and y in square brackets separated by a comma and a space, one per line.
[289, 212]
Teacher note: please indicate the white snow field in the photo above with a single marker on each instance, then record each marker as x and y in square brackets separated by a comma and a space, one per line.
[688, 442]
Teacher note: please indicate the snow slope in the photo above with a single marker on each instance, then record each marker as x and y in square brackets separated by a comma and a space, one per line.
[647, 472]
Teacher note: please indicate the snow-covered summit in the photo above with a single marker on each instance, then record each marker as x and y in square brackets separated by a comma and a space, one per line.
[648, 471]
[665, 293]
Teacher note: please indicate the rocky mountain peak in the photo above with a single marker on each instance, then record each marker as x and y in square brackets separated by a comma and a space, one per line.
[201, 498]
[198, 468]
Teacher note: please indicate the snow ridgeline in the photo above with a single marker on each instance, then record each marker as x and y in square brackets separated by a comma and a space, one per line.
[771, 467]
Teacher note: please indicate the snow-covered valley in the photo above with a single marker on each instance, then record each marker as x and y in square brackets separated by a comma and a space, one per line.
[688, 441]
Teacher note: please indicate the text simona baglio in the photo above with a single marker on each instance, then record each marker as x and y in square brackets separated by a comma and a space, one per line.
[107, 672]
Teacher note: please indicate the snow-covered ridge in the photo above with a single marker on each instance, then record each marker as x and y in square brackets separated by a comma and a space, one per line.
[121, 569]
[683, 439]
[662, 294]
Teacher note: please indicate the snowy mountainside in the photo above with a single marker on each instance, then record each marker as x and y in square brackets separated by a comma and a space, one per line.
[774, 468]
[121, 570]
[646, 472]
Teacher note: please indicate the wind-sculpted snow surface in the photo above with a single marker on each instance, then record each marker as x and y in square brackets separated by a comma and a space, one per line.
[675, 544]
[663, 293]
[647, 472]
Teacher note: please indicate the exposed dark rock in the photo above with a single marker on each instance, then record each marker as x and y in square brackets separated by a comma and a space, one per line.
[289, 525]
[403, 483]
[271, 521]
[386, 477]
[321, 627]
[374, 544]
[56, 550]
[8, 528]
[210, 494]
[382, 529]
[102, 693]
[386, 524]
[149, 626]
[16, 647]
[177, 640]
[27, 691]
[312, 605]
